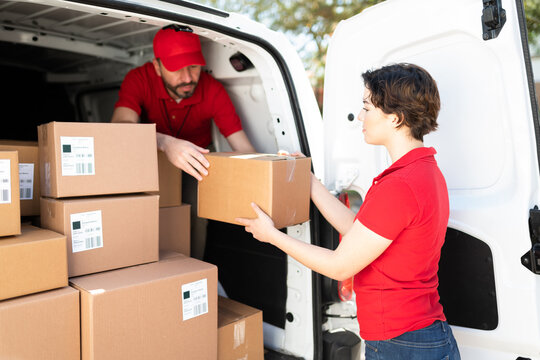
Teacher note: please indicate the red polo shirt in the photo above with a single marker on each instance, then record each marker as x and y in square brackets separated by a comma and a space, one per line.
[143, 91]
[407, 203]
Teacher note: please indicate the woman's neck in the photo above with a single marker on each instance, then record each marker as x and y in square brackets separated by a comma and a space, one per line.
[401, 144]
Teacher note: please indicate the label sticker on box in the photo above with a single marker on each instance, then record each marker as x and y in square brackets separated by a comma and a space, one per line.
[26, 181]
[5, 181]
[194, 299]
[77, 155]
[86, 231]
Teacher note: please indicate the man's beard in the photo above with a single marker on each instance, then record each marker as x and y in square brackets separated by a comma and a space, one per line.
[174, 89]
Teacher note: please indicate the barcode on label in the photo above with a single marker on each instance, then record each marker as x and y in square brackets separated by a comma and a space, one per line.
[5, 195]
[199, 309]
[26, 193]
[93, 242]
[83, 168]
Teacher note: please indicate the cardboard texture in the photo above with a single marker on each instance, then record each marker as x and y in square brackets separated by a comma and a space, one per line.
[28, 174]
[105, 233]
[170, 182]
[167, 254]
[175, 229]
[240, 331]
[42, 326]
[150, 311]
[32, 262]
[10, 207]
[280, 185]
[82, 159]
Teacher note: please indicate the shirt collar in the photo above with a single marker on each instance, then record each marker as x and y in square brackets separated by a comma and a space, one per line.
[408, 158]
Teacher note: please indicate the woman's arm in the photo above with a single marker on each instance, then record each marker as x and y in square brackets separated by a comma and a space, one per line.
[357, 249]
[333, 210]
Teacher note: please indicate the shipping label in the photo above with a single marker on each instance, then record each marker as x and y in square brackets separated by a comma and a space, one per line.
[194, 299]
[77, 155]
[86, 231]
[5, 181]
[26, 181]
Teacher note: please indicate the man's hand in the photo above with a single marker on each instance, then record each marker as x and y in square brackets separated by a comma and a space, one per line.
[185, 155]
[261, 227]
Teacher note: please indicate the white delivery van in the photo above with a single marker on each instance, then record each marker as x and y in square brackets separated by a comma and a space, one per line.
[65, 60]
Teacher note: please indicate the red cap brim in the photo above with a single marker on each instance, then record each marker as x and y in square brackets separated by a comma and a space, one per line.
[177, 62]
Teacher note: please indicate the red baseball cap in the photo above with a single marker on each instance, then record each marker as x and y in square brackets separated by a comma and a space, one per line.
[177, 48]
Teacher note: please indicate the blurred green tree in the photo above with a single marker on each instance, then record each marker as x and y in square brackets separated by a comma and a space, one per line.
[308, 23]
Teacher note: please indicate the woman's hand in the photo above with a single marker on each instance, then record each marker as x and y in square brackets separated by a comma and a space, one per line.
[262, 227]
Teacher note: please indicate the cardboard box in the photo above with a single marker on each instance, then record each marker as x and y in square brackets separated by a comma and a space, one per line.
[104, 233]
[10, 207]
[175, 229]
[163, 310]
[170, 182]
[81, 159]
[240, 331]
[280, 185]
[32, 262]
[167, 254]
[41, 326]
[28, 174]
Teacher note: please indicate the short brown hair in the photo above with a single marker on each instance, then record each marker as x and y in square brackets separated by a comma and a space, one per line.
[408, 91]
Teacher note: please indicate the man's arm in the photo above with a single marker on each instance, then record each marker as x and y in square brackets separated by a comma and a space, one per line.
[123, 114]
[240, 142]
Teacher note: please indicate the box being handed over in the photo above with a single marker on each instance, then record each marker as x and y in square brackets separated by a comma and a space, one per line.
[280, 185]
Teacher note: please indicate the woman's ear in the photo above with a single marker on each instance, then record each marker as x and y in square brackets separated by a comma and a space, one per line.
[395, 120]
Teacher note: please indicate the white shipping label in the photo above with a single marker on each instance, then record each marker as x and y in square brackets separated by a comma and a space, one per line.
[5, 181]
[86, 231]
[77, 155]
[26, 181]
[194, 299]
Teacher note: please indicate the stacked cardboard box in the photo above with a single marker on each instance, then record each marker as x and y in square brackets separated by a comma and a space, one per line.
[174, 217]
[36, 321]
[28, 174]
[240, 331]
[32, 262]
[10, 207]
[161, 310]
[41, 326]
[93, 179]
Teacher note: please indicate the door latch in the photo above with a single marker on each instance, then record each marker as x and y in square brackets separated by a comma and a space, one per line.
[493, 19]
[531, 259]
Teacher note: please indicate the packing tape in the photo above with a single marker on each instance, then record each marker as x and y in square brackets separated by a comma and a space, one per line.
[290, 213]
[239, 334]
[291, 166]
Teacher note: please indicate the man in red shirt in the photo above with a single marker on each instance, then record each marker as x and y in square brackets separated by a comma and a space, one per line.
[181, 100]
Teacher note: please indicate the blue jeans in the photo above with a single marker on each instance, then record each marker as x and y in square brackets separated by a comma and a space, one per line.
[434, 342]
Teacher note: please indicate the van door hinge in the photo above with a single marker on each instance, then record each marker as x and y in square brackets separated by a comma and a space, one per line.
[493, 19]
[531, 259]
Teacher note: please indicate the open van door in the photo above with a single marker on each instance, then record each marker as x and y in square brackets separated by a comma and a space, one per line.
[487, 149]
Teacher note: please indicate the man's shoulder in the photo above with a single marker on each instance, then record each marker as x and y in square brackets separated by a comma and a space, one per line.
[208, 81]
[146, 70]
